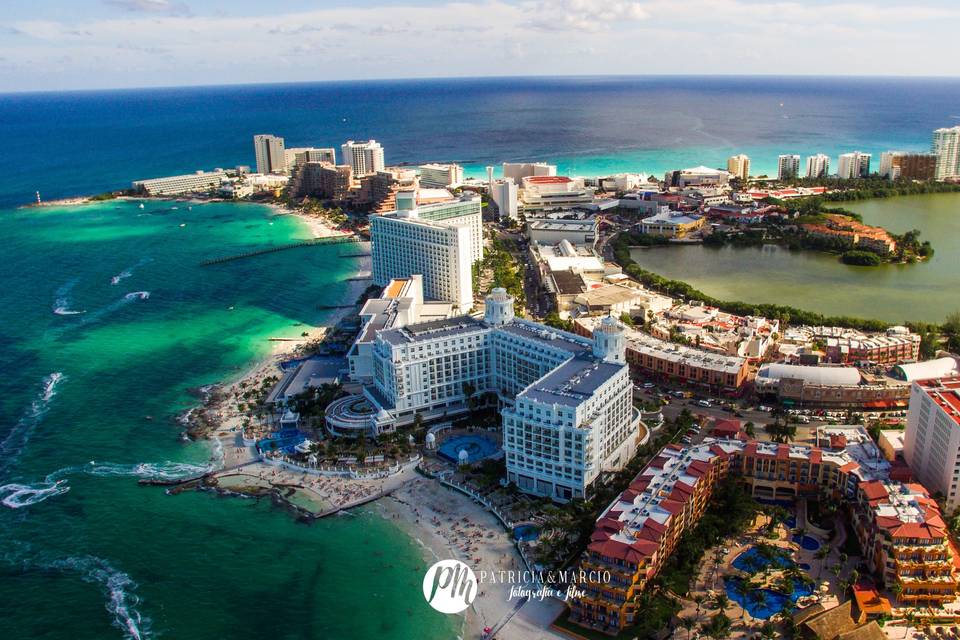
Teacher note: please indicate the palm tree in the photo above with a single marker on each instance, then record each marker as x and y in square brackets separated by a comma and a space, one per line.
[843, 585]
[688, 623]
[743, 591]
[699, 599]
[720, 602]
[768, 631]
[821, 555]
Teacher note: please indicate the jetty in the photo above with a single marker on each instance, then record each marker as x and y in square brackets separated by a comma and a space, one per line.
[282, 247]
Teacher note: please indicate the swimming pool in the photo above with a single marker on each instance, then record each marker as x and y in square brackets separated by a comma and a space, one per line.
[763, 604]
[477, 447]
[807, 542]
[525, 533]
[754, 560]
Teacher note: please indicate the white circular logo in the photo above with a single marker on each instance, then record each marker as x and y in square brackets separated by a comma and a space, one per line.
[449, 586]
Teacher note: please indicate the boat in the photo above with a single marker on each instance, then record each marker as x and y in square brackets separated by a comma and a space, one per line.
[141, 205]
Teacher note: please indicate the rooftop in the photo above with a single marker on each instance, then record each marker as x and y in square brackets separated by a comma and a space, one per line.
[432, 330]
[573, 382]
[946, 395]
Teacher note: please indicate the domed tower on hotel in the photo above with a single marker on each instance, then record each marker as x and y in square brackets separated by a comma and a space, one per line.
[610, 341]
[499, 308]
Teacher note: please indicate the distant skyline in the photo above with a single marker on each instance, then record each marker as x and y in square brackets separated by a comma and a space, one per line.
[92, 44]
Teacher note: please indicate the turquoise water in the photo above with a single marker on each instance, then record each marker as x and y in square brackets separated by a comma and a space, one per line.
[89, 553]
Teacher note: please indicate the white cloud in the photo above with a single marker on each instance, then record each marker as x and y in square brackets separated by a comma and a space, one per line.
[518, 37]
[581, 15]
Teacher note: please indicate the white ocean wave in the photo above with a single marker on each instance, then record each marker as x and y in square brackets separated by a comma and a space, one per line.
[17, 496]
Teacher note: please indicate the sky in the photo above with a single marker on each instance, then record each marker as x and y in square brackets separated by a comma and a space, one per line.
[93, 44]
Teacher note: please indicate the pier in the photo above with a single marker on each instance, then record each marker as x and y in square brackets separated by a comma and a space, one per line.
[282, 247]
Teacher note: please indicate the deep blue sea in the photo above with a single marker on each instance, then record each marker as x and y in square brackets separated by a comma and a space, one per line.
[81, 142]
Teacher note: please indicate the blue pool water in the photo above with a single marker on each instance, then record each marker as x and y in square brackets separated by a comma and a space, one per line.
[792, 522]
[807, 542]
[284, 440]
[752, 560]
[477, 448]
[770, 603]
[525, 533]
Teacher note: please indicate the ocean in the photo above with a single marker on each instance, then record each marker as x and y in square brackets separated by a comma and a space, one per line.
[90, 554]
[81, 142]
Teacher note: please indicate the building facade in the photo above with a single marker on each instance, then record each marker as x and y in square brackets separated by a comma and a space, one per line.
[363, 157]
[739, 166]
[788, 167]
[517, 171]
[896, 165]
[818, 166]
[299, 156]
[853, 165]
[946, 147]
[189, 183]
[931, 443]
[441, 241]
[441, 176]
[270, 153]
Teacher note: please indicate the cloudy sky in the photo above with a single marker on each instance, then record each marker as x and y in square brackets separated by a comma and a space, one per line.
[86, 44]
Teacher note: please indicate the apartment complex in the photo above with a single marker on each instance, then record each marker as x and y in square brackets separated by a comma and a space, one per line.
[696, 177]
[818, 166]
[270, 153]
[440, 241]
[932, 439]
[363, 157]
[298, 156]
[859, 235]
[323, 180]
[175, 185]
[899, 526]
[441, 176]
[566, 401]
[660, 359]
[946, 147]
[896, 165]
[788, 167]
[739, 166]
[853, 165]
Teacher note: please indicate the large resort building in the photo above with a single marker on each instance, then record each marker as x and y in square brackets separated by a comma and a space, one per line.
[440, 241]
[566, 401]
[898, 525]
[931, 443]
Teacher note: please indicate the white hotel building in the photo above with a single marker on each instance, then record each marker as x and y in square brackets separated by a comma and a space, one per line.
[441, 176]
[440, 241]
[566, 401]
[189, 183]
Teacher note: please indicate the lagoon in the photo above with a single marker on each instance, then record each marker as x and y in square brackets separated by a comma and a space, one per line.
[820, 282]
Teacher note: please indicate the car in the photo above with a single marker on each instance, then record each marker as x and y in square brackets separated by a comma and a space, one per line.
[648, 385]
[686, 440]
[704, 403]
[664, 401]
[764, 408]
[803, 419]
[677, 394]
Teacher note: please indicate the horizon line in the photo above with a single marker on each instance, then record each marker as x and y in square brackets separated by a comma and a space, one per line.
[598, 77]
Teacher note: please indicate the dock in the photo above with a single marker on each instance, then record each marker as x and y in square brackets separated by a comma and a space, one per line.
[283, 247]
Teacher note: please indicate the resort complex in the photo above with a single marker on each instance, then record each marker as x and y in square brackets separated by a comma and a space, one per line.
[898, 524]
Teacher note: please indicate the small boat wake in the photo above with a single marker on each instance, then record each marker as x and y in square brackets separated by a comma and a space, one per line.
[137, 295]
[63, 302]
[14, 442]
[126, 273]
[17, 496]
[118, 588]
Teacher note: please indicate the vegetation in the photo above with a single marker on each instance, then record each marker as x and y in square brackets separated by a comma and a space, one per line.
[637, 239]
[731, 510]
[506, 271]
[554, 320]
[861, 258]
